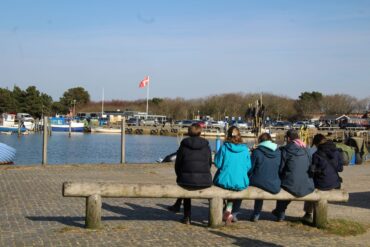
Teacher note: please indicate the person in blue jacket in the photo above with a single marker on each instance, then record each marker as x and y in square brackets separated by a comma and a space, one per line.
[233, 163]
[264, 173]
[294, 175]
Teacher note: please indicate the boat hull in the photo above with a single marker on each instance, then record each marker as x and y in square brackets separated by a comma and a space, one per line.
[65, 128]
[11, 129]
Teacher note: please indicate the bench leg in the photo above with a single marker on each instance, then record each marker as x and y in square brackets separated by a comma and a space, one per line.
[215, 212]
[320, 214]
[93, 212]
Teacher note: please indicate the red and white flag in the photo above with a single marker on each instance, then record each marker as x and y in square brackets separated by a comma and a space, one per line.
[144, 82]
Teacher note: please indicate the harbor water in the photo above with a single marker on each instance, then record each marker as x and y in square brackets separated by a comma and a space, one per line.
[82, 148]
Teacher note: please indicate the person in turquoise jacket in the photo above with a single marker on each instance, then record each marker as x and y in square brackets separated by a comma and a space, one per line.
[233, 162]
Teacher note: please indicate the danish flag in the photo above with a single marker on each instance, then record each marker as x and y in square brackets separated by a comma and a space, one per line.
[144, 82]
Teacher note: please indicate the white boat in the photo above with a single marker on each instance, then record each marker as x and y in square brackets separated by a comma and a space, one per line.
[106, 130]
[8, 124]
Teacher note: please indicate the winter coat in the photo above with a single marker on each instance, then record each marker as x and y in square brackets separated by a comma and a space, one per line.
[295, 162]
[328, 162]
[264, 174]
[193, 163]
[233, 163]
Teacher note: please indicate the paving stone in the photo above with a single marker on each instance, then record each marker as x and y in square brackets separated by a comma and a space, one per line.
[33, 212]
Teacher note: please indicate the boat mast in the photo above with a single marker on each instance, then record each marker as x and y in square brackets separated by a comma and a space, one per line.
[102, 104]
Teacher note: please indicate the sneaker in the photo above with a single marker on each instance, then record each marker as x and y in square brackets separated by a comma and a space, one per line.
[186, 220]
[307, 217]
[235, 219]
[255, 217]
[279, 216]
[173, 208]
[228, 217]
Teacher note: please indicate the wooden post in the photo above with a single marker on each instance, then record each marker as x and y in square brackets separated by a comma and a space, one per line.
[123, 140]
[49, 127]
[70, 128]
[320, 214]
[93, 212]
[19, 128]
[215, 212]
[45, 143]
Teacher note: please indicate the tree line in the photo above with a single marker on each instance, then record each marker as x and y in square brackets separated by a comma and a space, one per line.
[278, 107]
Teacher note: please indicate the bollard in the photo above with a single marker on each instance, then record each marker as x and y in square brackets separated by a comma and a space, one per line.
[123, 138]
[45, 143]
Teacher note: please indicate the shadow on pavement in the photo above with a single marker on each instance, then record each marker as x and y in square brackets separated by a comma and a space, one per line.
[243, 241]
[357, 199]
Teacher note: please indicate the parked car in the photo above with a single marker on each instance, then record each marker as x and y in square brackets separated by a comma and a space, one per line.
[185, 123]
[148, 122]
[299, 124]
[132, 122]
[284, 125]
[217, 124]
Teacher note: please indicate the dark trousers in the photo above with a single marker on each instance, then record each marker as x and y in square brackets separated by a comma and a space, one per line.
[258, 204]
[281, 206]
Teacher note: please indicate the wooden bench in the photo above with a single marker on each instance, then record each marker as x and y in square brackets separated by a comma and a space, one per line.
[94, 191]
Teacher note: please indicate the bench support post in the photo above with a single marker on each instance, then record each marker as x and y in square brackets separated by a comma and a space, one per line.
[215, 211]
[93, 212]
[320, 214]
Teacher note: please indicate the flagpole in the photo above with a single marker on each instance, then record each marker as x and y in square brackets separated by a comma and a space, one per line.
[102, 104]
[147, 97]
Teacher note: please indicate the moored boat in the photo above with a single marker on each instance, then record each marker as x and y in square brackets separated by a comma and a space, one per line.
[8, 123]
[63, 124]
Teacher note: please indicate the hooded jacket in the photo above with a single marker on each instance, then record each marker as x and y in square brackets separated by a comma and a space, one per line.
[295, 162]
[193, 163]
[233, 163]
[264, 173]
[328, 161]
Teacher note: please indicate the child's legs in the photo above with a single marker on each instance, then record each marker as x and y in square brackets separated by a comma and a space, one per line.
[258, 204]
[281, 206]
[229, 205]
[187, 207]
[236, 206]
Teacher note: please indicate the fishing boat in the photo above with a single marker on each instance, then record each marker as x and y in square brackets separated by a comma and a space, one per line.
[8, 124]
[7, 154]
[63, 124]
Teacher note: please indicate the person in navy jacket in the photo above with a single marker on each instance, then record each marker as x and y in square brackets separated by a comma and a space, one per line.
[264, 174]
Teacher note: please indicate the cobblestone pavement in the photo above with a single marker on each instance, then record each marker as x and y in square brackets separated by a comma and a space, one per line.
[34, 213]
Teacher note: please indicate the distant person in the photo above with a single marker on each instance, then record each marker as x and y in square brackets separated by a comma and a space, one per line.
[264, 174]
[295, 162]
[233, 163]
[327, 161]
[192, 167]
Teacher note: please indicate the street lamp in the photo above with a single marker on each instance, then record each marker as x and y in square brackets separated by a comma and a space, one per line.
[74, 107]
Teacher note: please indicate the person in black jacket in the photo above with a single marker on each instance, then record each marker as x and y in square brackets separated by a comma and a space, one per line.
[192, 167]
[327, 162]
[295, 162]
[264, 173]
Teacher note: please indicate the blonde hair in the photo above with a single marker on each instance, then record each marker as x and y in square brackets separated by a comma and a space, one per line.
[233, 135]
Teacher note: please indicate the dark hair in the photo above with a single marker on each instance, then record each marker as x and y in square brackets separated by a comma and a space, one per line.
[318, 139]
[195, 129]
[292, 134]
[233, 135]
[264, 137]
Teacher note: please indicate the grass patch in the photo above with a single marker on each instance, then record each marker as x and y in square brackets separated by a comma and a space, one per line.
[343, 227]
[340, 227]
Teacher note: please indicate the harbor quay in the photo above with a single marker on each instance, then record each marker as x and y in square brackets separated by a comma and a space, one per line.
[33, 212]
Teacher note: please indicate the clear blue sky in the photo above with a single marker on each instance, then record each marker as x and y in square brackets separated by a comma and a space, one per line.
[189, 48]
